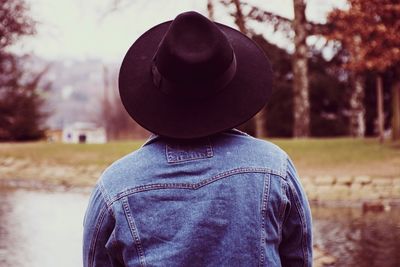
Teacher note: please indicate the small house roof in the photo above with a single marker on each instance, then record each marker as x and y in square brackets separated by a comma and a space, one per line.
[83, 126]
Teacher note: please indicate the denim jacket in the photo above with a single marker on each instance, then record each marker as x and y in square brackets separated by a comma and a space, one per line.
[226, 200]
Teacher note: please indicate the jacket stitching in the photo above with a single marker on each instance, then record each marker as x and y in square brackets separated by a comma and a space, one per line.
[282, 208]
[287, 212]
[191, 186]
[96, 235]
[264, 208]
[303, 224]
[103, 192]
[134, 232]
[106, 198]
[194, 156]
[284, 163]
[210, 152]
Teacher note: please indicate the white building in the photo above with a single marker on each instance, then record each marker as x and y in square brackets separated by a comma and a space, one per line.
[84, 132]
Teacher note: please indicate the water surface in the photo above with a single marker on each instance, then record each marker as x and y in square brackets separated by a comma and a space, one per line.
[357, 238]
[41, 229]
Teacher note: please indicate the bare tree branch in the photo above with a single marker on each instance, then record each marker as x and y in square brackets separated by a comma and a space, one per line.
[210, 9]
[282, 24]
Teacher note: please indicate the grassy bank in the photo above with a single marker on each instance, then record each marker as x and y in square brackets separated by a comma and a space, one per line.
[343, 156]
[81, 164]
[69, 154]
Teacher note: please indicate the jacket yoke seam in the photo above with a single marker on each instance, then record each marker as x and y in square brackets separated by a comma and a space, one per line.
[193, 186]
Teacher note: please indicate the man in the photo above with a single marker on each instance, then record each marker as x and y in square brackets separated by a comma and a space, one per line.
[198, 193]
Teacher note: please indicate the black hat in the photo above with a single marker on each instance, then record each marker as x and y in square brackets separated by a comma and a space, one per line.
[191, 77]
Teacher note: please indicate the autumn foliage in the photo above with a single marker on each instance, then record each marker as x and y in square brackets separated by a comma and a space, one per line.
[370, 31]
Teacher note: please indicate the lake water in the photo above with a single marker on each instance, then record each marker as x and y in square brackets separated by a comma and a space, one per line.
[44, 229]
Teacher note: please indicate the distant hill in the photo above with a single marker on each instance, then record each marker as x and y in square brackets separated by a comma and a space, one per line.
[77, 87]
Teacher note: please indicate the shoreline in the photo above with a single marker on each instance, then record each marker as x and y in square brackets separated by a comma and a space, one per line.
[38, 185]
[327, 190]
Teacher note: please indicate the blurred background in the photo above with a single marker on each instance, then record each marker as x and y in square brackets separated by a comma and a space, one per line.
[335, 109]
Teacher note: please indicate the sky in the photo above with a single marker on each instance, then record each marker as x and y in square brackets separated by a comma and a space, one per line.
[76, 29]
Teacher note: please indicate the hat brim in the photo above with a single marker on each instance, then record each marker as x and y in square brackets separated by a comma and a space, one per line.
[172, 117]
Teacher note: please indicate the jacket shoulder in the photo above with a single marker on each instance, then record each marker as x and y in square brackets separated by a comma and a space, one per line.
[270, 155]
[127, 170]
[257, 153]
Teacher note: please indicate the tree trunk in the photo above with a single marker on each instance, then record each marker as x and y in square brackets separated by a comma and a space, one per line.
[357, 110]
[396, 111]
[256, 124]
[379, 108]
[300, 72]
[210, 9]
[260, 130]
[106, 116]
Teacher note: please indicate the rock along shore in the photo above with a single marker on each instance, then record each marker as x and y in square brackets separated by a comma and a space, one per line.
[352, 189]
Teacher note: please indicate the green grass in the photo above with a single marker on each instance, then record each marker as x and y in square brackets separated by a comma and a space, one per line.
[343, 156]
[69, 154]
[336, 156]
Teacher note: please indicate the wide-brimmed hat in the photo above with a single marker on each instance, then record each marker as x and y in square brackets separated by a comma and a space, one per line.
[191, 77]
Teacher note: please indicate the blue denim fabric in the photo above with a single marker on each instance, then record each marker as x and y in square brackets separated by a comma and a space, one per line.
[226, 200]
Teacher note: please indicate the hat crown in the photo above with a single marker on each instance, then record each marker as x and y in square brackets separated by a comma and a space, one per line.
[194, 51]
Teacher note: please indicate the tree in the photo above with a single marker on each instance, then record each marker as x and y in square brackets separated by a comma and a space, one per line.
[370, 31]
[301, 127]
[210, 9]
[14, 22]
[328, 88]
[21, 116]
[255, 126]
[396, 111]
[112, 114]
[301, 28]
